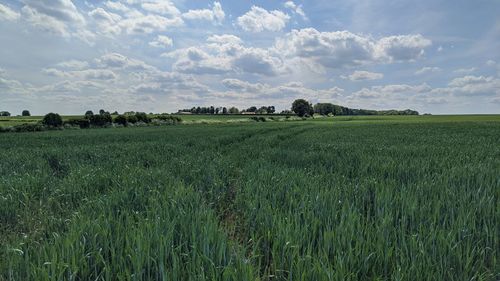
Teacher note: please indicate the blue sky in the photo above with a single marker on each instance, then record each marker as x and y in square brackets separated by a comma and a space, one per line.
[65, 56]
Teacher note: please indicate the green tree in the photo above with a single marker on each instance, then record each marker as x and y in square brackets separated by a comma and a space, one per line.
[88, 114]
[26, 113]
[52, 120]
[122, 120]
[234, 110]
[302, 108]
[142, 117]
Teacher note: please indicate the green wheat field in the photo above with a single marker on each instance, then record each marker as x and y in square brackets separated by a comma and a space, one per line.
[342, 198]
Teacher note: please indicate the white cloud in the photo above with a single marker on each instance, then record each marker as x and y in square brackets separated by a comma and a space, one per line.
[61, 10]
[244, 86]
[162, 41]
[115, 60]
[427, 69]
[465, 70]
[8, 14]
[360, 75]
[117, 6]
[329, 49]
[59, 17]
[164, 7]
[106, 22]
[345, 49]
[215, 15]
[226, 54]
[138, 23]
[279, 95]
[259, 19]
[295, 8]
[73, 64]
[474, 85]
[397, 96]
[491, 62]
[402, 47]
[87, 74]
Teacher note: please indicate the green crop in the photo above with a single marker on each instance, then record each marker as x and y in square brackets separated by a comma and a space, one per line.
[397, 198]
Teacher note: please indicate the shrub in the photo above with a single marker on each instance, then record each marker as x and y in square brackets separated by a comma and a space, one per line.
[169, 119]
[258, 119]
[302, 108]
[122, 120]
[52, 120]
[82, 123]
[88, 114]
[101, 120]
[27, 128]
[132, 119]
[142, 117]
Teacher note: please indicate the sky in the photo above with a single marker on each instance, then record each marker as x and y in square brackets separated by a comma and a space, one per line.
[69, 56]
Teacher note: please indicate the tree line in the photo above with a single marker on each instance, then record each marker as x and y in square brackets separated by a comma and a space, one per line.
[90, 120]
[300, 107]
[7, 114]
[225, 110]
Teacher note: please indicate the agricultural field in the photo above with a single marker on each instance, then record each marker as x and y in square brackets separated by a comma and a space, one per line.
[343, 198]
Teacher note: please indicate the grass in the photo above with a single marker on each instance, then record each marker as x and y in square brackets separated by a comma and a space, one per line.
[382, 198]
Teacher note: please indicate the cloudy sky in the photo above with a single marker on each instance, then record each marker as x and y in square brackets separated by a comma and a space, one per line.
[67, 56]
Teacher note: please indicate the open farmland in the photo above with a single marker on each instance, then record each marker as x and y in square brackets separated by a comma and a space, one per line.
[351, 198]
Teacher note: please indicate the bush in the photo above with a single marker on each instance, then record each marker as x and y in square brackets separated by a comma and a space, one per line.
[4, 130]
[82, 123]
[52, 120]
[258, 119]
[302, 108]
[142, 117]
[132, 119]
[101, 120]
[122, 120]
[27, 128]
[88, 114]
[169, 119]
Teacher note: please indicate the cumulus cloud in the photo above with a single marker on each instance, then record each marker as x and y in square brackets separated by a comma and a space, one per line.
[465, 70]
[115, 60]
[164, 7]
[244, 90]
[73, 64]
[59, 17]
[361, 75]
[117, 6]
[87, 74]
[402, 47]
[345, 49]
[162, 41]
[8, 14]
[215, 15]
[259, 19]
[62, 10]
[427, 69]
[138, 23]
[474, 85]
[226, 54]
[244, 86]
[393, 96]
[491, 62]
[297, 9]
[107, 22]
